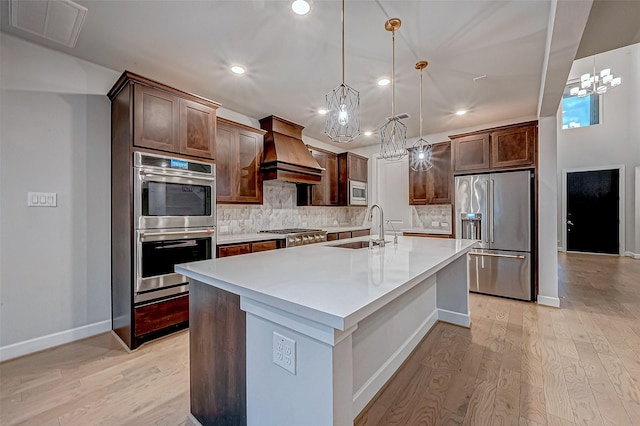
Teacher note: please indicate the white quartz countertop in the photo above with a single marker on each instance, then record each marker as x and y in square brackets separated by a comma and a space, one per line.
[426, 231]
[334, 286]
[247, 238]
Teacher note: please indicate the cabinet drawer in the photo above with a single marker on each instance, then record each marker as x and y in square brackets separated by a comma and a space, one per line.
[360, 233]
[412, 234]
[234, 250]
[332, 236]
[157, 316]
[344, 235]
[264, 246]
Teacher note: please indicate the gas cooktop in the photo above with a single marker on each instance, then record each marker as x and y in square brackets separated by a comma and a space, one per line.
[300, 236]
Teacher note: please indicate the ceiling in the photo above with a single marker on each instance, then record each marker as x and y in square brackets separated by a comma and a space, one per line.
[293, 61]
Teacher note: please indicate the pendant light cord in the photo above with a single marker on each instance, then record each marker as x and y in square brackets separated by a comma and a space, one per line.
[421, 105]
[342, 16]
[393, 75]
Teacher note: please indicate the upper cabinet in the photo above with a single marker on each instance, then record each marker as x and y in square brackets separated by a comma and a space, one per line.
[499, 148]
[352, 167]
[238, 160]
[433, 186]
[167, 119]
[324, 193]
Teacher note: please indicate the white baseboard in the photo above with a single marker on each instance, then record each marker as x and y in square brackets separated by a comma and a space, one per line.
[369, 389]
[45, 342]
[549, 301]
[454, 318]
[632, 254]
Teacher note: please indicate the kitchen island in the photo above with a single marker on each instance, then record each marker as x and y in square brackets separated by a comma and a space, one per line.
[339, 321]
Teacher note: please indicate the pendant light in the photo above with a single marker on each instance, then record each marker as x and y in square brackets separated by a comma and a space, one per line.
[393, 134]
[343, 105]
[421, 152]
[596, 84]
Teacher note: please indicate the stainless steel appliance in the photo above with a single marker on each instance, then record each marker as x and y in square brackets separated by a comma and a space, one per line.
[173, 193]
[159, 250]
[299, 237]
[496, 209]
[175, 221]
[357, 193]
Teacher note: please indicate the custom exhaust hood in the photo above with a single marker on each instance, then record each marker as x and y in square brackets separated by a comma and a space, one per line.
[286, 157]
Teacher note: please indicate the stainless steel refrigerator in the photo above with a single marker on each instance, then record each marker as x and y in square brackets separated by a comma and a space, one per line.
[496, 209]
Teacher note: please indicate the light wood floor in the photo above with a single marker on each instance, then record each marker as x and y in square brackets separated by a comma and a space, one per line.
[519, 364]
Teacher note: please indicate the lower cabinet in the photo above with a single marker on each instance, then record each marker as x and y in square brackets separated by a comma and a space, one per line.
[332, 236]
[226, 250]
[160, 315]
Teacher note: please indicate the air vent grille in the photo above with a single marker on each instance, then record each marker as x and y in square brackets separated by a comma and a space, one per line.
[56, 20]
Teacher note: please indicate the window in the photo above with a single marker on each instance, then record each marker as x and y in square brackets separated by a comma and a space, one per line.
[579, 112]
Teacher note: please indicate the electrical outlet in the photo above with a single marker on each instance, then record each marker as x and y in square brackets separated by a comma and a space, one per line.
[224, 229]
[284, 352]
[444, 224]
[435, 224]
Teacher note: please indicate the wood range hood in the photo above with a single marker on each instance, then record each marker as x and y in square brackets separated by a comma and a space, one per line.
[286, 157]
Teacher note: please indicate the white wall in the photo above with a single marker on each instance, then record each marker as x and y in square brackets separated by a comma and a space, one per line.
[55, 137]
[615, 141]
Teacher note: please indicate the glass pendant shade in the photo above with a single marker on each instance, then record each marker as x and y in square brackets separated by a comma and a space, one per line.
[343, 120]
[597, 84]
[393, 137]
[343, 107]
[393, 134]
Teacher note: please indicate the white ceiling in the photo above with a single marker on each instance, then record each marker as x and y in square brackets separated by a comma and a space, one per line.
[293, 61]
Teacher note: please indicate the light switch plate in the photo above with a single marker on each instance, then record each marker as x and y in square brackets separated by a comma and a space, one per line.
[435, 224]
[42, 199]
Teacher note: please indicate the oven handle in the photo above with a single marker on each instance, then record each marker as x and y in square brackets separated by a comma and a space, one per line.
[510, 256]
[186, 234]
[150, 173]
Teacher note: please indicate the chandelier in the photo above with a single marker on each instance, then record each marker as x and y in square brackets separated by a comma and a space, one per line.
[393, 134]
[595, 84]
[421, 152]
[343, 103]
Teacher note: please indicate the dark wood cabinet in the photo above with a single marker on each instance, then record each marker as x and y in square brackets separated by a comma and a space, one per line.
[238, 160]
[167, 120]
[500, 148]
[324, 193]
[333, 236]
[152, 117]
[416, 234]
[226, 250]
[350, 167]
[433, 186]
[360, 233]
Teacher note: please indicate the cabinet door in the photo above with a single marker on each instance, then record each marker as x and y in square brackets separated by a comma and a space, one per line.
[440, 175]
[419, 193]
[471, 153]
[513, 147]
[360, 233]
[234, 250]
[332, 236]
[264, 246]
[248, 178]
[197, 129]
[156, 119]
[357, 168]
[318, 191]
[331, 183]
[225, 162]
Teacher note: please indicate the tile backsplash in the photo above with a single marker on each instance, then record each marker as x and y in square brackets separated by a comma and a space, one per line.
[426, 217]
[279, 210]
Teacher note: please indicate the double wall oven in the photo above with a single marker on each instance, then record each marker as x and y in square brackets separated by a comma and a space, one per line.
[175, 218]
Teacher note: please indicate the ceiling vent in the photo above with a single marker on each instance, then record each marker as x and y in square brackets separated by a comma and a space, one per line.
[56, 20]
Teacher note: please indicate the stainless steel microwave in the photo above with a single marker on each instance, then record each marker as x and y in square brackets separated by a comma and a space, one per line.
[357, 193]
[172, 192]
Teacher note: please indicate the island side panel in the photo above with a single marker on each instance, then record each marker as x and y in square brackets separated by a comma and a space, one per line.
[453, 293]
[217, 356]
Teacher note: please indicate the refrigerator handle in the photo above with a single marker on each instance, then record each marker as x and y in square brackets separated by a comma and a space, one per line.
[488, 218]
[491, 215]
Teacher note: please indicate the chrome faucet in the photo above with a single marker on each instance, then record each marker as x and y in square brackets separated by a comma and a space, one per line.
[380, 240]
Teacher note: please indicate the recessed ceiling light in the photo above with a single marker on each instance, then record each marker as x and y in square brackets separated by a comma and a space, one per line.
[322, 111]
[237, 69]
[300, 7]
[383, 82]
[461, 112]
[368, 133]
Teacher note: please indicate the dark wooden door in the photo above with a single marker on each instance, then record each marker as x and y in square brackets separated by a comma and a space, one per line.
[512, 147]
[441, 176]
[225, 161]
[593, 211]
[249, 160]
[357, 167]
[318, 191]
[156, 119]
[197, 129]
[419, 193]
[331, 180]
[471, 153]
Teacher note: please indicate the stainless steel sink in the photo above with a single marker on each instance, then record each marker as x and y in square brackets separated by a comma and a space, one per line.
[355, 244]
